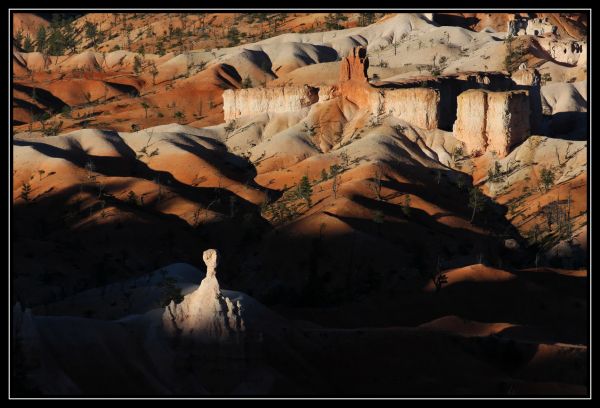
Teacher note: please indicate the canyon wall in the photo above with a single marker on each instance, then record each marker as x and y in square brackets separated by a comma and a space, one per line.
[492, 121]
[253, 101]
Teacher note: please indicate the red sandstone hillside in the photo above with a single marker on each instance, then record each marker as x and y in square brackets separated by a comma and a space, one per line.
[335, 170]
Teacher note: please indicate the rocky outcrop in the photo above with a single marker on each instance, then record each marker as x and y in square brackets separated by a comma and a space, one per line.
[354, 67]
[418, 106]
[529, 79]
[427, 102]
[470, 125]
[533, 26]
[206, 315]
[565, 51]
[353, 84]
[492, 121]
[507, 120]
[328, 92]
[253, 101]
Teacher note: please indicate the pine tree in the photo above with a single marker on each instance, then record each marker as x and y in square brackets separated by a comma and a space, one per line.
[247, 83]
[475, 201]
[305, 190]
[145, 106]
[19, 38]
[40, 40]
[91, 32]
[137, 65]
[28, 44]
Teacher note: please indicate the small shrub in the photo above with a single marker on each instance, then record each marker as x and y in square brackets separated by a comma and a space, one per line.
[547, 178]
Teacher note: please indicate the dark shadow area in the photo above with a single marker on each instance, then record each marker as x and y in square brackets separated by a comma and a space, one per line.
[568, 125]
[230, 71]
[125, 88]
[28, 106]
[46, 98]
[506, 354]
[445, 19]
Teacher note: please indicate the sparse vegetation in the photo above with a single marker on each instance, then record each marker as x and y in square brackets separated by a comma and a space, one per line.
[132, 198]
[375, 183]
[378, 217]
[145, 151]
[230, 127]
[514, 54]
[495, 173]
[406, 206]
[25, 192]
[247, 83]
[179, 115]
[546, 178]
[145, 106]
[545, 78]
[476, 201]
[438, 67]
[304, 190]
[439, 281]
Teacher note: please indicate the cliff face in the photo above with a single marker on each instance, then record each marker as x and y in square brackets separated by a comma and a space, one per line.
[254, 101]
[507, 122]
[470, 123]
[418, 106]
[430, 107]
[529, 79]
[492, 121]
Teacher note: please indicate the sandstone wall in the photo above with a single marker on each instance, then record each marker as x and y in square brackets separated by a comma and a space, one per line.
[492, 121]
[529, 79]
[253, 101]
[417, 106]
[507, 120]
[470, 125]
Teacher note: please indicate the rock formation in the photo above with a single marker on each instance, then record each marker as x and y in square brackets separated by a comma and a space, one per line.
[353, 84]
[492, 121]
[354, 67]
[206, 314]
[428, 102]
[565, 51]
[418, 106]
[470, 125]
[530, 79]
[534, 26]
[254, 101]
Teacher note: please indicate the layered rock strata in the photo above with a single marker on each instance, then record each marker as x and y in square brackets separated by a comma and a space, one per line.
[253, 101]
[492, 121]
[529, 79]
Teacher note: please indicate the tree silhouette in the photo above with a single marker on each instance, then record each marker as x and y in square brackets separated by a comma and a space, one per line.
[475, 201]
[305, 190]
[145, 106]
